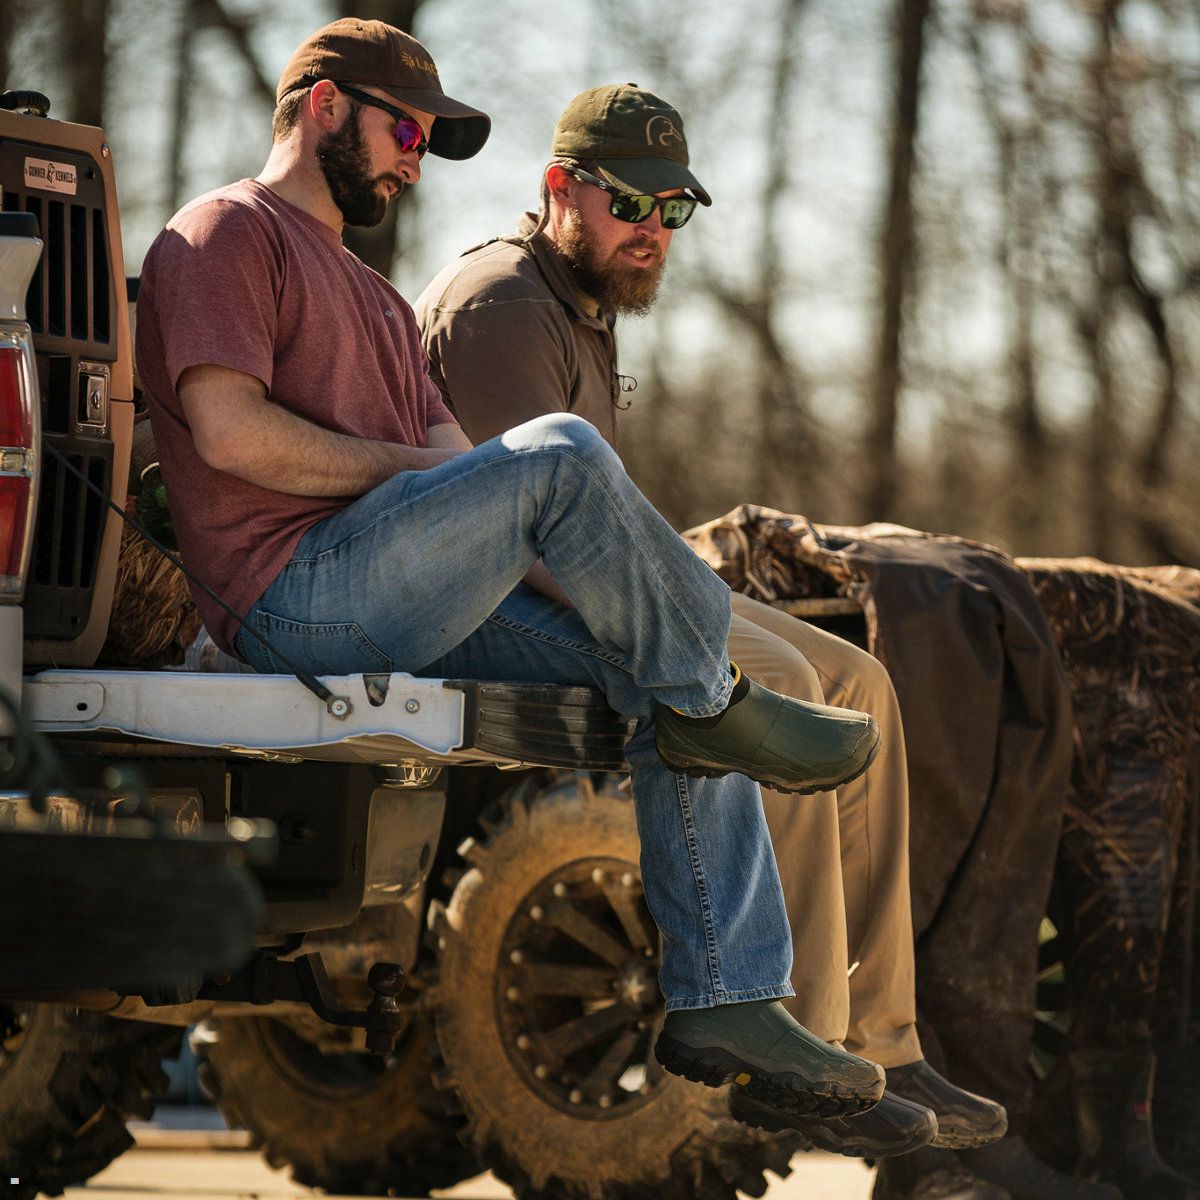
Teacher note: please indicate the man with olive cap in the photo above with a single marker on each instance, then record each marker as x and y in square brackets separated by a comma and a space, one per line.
[522, 327]
[319, 484]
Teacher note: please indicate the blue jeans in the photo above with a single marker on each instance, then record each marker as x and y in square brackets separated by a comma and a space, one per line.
[423, 575]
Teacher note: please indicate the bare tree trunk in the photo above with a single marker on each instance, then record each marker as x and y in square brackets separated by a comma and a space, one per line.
[214, 13]
[786, 438]
[8, 22]
[181, 111]
[84, 25]
[787, 443]
[896, 260]
[378, 246]
[1096, 326]
[1020, 155]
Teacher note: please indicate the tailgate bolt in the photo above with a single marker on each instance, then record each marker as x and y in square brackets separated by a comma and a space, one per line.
[339, 707]
[412, 706]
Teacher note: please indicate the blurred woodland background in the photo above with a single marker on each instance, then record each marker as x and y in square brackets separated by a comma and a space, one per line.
[951, 277]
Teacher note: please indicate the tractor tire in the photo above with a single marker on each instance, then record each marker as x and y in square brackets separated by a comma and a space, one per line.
[341, 1119]
[69, 1082]
[547, 1005]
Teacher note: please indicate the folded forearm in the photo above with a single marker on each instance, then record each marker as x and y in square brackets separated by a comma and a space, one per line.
[276, 449]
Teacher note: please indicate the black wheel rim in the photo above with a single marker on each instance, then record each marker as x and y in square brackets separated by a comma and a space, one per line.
[324, 1074]
[577, 996]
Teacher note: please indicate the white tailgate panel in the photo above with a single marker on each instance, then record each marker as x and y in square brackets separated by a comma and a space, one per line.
[252, 712]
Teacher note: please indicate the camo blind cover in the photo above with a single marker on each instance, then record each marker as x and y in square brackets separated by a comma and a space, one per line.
[1130, 644]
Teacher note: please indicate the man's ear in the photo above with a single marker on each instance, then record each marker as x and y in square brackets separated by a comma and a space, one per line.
[325, 103]
[560, 183]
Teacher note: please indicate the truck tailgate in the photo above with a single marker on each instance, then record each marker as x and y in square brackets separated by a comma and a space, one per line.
[393, 719]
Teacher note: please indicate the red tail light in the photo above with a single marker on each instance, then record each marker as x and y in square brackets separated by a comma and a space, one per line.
[16, 409]
[17, 461]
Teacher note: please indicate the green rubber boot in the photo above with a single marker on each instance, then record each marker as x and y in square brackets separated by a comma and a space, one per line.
[788, 745]
[761, 1047]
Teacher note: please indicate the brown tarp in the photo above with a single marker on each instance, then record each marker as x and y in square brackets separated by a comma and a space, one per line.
[986, 711]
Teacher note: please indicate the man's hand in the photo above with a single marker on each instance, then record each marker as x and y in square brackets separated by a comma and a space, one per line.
[238, 430]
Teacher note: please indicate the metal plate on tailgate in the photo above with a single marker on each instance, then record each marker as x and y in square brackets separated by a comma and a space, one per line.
[403, 717]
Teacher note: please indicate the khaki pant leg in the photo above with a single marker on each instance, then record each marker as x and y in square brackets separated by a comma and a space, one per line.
[804, 832]
[872, 814]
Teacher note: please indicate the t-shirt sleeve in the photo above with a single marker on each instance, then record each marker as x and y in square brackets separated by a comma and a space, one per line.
[217, 274]
[500, 364]
[436, 412]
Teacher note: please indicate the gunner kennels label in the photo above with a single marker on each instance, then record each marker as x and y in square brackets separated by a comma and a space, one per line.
[50, 176]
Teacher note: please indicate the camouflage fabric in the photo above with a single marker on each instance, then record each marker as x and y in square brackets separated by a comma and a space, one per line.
[1130, 641]
[1128, 867]
[153, 618]
[986, 713]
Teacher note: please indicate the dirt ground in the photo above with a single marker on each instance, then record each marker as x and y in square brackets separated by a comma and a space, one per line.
[202, 1173]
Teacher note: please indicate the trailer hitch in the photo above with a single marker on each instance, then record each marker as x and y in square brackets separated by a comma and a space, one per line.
[267, 978]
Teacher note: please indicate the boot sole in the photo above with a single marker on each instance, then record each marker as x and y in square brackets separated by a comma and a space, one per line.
[831, 1143]
[695, 769]
[951, 1138]
[786, 1090]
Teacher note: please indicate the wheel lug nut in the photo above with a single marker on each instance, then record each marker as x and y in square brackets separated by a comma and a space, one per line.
[560, 890]
[627, 879]
[541, 1070]
[524, 1041]
[605, 1101]
[576, 1096]
[516, 957]
[537, 912]
[512, 993]
[598, 875]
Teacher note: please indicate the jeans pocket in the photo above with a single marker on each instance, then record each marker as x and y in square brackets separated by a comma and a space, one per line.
[323, 649]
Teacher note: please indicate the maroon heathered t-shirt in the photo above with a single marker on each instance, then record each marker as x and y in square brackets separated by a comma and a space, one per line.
[242, 279]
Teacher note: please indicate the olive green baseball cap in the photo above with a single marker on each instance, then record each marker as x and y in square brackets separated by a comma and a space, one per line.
[374, 53]
[634, 137]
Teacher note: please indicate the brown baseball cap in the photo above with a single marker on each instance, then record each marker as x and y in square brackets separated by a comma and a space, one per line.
[635, 138]
[370, 52]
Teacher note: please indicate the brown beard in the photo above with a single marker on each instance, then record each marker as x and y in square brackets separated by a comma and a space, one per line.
[617, 288]
[346, 164]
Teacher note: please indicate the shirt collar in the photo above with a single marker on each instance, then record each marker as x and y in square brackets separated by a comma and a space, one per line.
[559, 276]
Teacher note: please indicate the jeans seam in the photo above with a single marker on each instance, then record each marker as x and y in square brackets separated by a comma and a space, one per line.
[776, 991]
[710, 933]
[557, 640]
[266, 621]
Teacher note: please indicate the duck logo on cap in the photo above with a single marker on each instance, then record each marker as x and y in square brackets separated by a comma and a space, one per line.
[661, 130]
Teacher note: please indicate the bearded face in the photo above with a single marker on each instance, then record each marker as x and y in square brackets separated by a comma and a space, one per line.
[604, 273]
[346, 164]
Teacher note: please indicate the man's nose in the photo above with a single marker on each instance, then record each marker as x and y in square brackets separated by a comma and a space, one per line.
[409, 167]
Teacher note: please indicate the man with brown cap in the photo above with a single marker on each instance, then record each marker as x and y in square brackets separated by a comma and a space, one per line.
[522, 327]
[320, 486]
